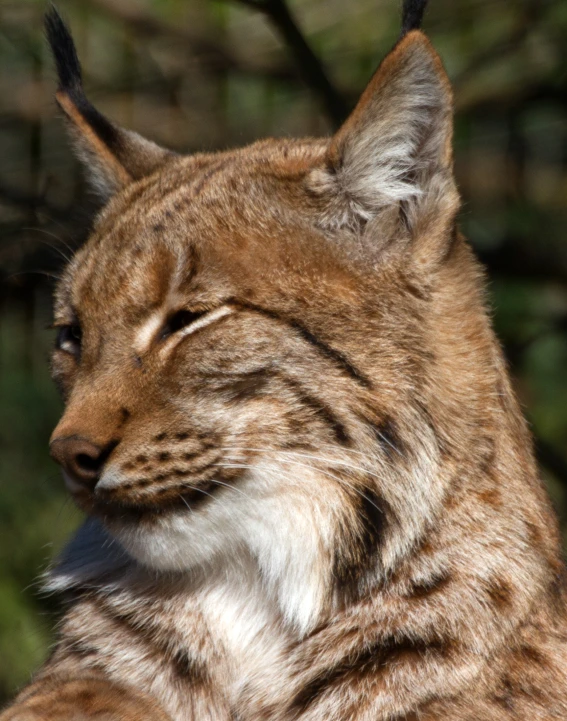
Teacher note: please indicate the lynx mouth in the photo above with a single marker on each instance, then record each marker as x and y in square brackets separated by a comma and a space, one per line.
[158, 502]
[131, 500]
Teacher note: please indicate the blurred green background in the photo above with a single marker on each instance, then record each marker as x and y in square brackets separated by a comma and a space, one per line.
[204, 74]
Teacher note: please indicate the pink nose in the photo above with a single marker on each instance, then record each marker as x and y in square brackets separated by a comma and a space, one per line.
[80, 458]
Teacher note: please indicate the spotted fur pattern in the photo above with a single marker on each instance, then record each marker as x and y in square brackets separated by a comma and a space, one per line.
[318, 499]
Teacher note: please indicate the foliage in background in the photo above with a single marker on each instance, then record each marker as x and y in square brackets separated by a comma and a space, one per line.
[209, 74]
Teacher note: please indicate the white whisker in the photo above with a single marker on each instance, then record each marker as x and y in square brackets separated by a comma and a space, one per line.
[66, 258]
[196, 488]
[339, 480]
[324, 459]
[231, 486]
[185, 502]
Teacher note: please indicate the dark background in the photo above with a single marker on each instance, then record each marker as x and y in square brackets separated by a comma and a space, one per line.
[204, 74]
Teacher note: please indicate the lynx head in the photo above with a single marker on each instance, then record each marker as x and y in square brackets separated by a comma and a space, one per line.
[262, 351]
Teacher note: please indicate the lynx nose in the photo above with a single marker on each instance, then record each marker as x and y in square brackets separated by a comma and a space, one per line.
[81, 459]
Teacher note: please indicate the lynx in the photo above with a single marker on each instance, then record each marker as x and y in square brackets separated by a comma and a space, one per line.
[311, 494]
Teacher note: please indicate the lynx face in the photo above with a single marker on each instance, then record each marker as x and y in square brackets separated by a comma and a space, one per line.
[213, 350]
[240, 341]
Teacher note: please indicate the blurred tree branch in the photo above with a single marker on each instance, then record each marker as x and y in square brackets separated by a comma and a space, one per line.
[216, 57]
[309, 65]
[31, 202]
[533, 13]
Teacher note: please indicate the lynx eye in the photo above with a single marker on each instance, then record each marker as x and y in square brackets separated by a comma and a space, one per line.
[179, 320]
[69, 339]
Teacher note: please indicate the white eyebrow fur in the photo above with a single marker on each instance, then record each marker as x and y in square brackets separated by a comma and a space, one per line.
[148, 330]
[204, 320]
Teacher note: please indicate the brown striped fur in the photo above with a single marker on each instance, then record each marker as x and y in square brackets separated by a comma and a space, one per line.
[316, 496]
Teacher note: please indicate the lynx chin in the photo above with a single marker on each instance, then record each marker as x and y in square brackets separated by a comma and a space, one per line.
[311, 494]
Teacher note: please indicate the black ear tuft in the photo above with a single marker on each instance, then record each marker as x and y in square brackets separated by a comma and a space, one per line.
[412, 15]
[70, 75]
[114, 157]
[64, 51]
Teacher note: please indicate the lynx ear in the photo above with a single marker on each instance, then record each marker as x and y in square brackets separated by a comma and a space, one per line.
[112, 156]
[395, 148]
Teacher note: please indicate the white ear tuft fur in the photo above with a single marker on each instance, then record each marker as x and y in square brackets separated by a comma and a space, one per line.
[396, 140]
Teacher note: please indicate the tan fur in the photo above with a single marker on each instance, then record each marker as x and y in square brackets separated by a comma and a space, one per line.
[320, 500]
[89, 137]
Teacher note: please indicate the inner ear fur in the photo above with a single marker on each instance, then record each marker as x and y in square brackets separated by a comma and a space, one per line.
[395, 149]
[113, 157]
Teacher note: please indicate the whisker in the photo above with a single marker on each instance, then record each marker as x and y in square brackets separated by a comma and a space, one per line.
[388, 442]
[339, 480]
[185, 502]
[336, 462]
[66, 258]
[206, 493]
[196, 488]
[323, 459]
[359, 453]
[231, 486]
[64, 229]
[34, 272]
[58, 237]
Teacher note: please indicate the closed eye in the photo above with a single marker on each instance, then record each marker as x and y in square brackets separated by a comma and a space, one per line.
[179, 320]
[183, 323]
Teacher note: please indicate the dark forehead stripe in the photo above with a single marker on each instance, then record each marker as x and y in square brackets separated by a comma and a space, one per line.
[320, 409]
[130, 280]
[338, 358]
[209, 174]
[142, 199]
[192, 266]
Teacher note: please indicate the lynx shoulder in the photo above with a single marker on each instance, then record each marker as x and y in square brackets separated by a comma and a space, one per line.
[311, 492]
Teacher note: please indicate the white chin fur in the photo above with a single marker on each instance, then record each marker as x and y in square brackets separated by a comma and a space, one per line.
[268, 516]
